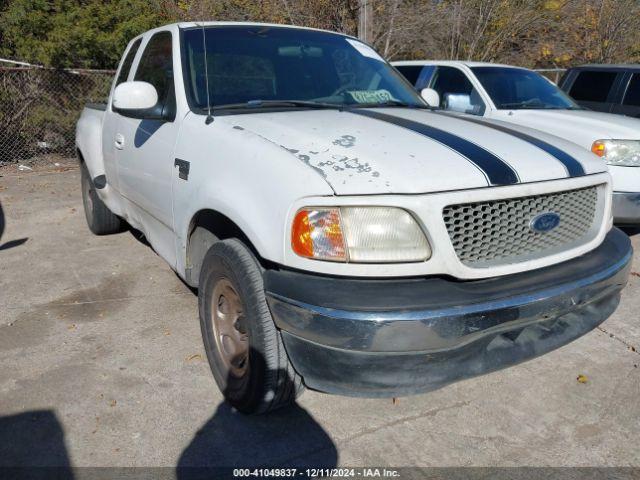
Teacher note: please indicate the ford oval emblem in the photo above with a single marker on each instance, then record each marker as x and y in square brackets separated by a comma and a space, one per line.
[545, 222]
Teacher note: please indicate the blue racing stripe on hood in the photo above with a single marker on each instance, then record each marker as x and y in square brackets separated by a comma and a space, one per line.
[574, 167]
[496, 170]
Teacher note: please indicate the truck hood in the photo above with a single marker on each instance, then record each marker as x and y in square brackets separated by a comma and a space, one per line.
[579, 126]
[401, 150]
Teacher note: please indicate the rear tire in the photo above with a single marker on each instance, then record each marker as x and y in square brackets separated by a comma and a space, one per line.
[243, 346]
[100, 219]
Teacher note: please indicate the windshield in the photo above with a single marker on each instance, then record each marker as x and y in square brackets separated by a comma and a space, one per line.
[517, 88]
[254, 66]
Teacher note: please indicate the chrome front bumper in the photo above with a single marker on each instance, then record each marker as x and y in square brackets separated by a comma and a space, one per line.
[626, 208]
[397, 337]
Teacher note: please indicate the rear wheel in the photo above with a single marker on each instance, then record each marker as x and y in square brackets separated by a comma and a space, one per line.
[243, 346]
[100, 219]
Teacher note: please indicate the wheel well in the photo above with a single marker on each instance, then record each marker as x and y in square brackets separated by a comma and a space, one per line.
[206, 228]
[79, 156]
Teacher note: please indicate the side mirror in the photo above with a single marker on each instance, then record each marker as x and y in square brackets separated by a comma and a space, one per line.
[132, 98]
[430, 96]
[458, 103]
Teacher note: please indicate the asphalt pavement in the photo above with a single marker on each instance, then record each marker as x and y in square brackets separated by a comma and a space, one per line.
[102, 364]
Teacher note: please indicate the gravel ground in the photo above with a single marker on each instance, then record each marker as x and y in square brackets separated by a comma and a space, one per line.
[102, 365]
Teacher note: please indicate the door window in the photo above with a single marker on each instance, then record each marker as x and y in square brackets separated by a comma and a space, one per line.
[632, 97]
[592, 86]
[456, 91]
[128, 61]
[156, 68]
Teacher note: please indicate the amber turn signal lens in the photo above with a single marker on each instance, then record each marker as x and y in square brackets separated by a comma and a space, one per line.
[301, 235]
[317, 233]
[599, 148]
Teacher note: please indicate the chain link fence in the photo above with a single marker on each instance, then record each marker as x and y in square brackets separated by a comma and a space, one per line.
[39, 108]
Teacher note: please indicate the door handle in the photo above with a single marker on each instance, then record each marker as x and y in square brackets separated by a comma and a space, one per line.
[119, 142]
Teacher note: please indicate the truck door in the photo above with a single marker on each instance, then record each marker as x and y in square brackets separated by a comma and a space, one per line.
[110, 123]
[145, 148]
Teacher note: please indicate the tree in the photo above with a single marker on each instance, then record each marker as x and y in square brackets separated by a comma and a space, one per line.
[535, 33]
[607, 30]
[75, 33]
[337, 15]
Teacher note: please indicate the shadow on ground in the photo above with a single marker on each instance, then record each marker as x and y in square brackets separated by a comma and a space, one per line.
[12, 243]
[138, 235]
[631, 231]
[288, 437]
[30, 441]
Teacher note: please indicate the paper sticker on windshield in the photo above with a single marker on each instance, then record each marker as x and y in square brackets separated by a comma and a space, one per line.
[371, 96]
[364, 49]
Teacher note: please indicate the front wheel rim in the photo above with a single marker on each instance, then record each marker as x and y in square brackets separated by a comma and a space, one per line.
[229, 328]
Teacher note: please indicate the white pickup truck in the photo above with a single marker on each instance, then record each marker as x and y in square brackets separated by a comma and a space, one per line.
[341, 235]
[523, 97]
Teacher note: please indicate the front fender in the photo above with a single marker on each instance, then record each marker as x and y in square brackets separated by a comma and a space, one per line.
[242, 176]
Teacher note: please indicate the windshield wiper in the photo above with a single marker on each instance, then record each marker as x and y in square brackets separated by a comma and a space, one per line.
[275, 104]
[524, 104]
[533, 105]
[257, 104]
[388, 103]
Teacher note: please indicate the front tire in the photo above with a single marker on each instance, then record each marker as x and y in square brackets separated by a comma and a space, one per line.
[243, 346]
[100, 219]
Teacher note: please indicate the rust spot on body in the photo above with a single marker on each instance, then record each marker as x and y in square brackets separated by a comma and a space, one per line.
[354, 164]
[346, 141]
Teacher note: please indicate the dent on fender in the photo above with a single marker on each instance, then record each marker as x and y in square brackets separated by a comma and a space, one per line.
[346, 141]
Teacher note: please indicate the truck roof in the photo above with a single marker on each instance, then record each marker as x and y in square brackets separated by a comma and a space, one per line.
[605, 66]
[452, 63]
[195, 24]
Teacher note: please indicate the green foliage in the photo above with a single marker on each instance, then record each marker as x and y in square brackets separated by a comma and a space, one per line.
[540, 33]
[75, 33]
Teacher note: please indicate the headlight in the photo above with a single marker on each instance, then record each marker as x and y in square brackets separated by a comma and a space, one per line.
[623, 153]
[359, 235]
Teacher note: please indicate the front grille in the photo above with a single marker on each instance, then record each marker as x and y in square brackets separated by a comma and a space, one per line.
[497, 232]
